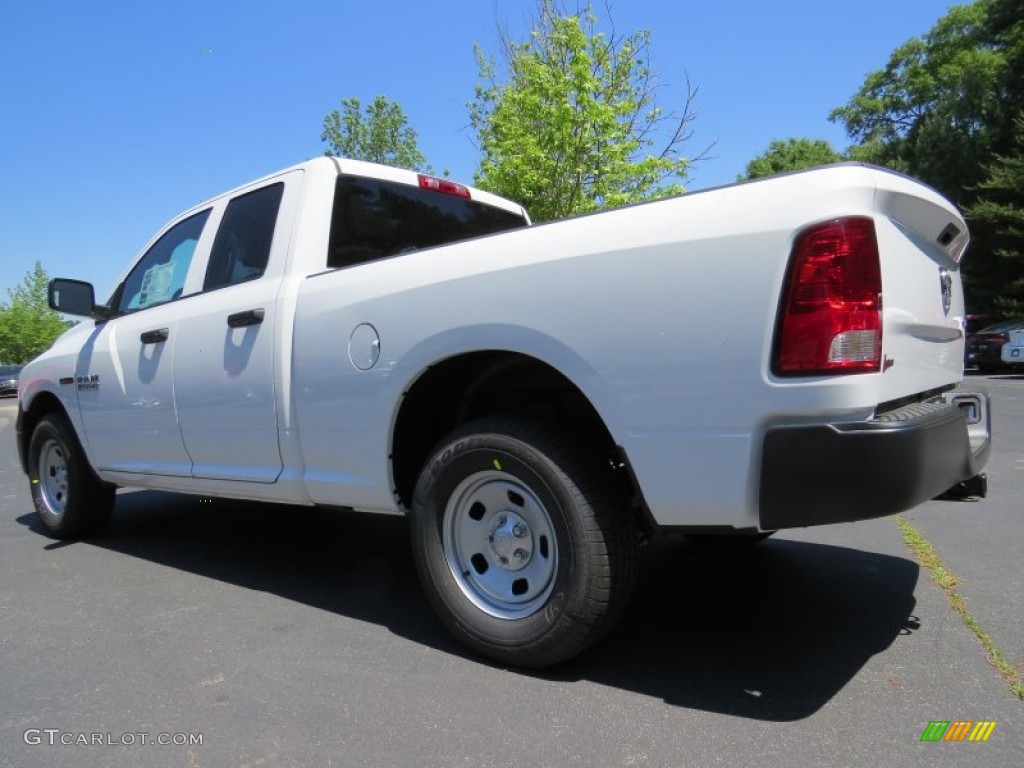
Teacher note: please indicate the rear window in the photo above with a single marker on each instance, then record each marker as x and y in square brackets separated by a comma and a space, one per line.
[373, 219]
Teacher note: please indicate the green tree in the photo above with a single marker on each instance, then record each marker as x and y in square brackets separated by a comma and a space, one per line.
[380, 135]
[926, 112]
[571, 123]
[27, 324]
[1001, 207]
[785, 155]
[943, 109]
[1004, 32]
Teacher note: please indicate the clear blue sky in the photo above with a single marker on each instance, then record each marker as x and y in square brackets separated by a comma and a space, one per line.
[116, 116]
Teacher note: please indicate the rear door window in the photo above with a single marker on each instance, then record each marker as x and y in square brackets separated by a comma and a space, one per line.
[241, 249]
[373, 219]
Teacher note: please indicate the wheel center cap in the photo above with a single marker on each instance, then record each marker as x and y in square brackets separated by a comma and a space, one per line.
[511, 540]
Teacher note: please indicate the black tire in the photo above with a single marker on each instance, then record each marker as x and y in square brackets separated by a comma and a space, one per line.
[69, 499]
[513, 499]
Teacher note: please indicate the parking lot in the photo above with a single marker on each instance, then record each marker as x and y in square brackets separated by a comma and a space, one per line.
[281, 636]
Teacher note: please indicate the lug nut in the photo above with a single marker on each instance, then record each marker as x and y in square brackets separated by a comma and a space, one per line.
[519, 554]
[519, 530]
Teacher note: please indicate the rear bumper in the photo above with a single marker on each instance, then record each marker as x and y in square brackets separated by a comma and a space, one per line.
[833, 473]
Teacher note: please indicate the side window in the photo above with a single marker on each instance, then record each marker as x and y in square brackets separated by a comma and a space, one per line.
[242, 246]
[160, 274]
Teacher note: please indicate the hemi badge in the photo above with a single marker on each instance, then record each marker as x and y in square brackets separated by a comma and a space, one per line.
[67, 380]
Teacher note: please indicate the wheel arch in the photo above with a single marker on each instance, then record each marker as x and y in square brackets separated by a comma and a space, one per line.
[43, 403]
[476, 384]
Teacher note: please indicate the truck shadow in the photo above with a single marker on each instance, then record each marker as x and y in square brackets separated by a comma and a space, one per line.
[771, 632]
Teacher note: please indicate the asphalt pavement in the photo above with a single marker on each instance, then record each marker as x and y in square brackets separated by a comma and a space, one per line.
[281, 636]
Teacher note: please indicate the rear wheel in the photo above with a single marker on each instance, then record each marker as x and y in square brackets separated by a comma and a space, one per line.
[70, 500]
[524, 550]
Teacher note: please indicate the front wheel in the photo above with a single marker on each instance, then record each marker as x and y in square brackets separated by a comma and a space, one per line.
[522, 545]
[70, 500]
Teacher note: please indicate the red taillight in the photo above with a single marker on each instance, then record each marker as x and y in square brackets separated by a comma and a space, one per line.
[831, 317]
[443, 185]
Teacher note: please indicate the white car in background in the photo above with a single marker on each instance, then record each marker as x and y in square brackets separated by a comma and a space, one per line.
[1013, 350]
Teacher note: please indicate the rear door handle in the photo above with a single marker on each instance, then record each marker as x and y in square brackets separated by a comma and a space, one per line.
[249, 317]
[155, 337]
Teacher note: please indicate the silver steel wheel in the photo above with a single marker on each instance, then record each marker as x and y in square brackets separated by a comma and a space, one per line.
[53, 477]
[499, 544]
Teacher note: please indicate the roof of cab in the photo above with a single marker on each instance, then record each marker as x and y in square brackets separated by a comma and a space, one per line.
[344, 165]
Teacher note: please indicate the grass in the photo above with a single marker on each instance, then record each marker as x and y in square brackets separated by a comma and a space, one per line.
[947, 580]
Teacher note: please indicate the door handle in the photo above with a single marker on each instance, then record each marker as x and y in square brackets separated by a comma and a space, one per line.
[249, 317]
[155, 337]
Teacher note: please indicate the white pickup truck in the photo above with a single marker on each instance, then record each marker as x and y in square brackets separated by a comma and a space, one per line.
[780, 353]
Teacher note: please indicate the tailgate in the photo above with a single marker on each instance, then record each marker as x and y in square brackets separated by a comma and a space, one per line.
[921, 239]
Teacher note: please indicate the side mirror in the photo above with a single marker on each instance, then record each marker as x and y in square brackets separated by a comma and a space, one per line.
[74, 297]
